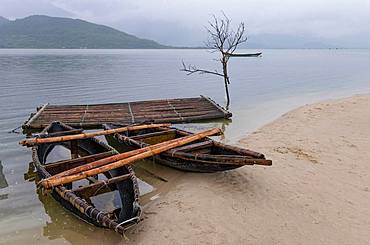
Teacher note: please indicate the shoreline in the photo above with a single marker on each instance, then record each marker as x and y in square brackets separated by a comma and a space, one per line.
[316, 192]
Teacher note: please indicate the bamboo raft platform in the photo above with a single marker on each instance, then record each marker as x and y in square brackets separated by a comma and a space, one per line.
[180, 110]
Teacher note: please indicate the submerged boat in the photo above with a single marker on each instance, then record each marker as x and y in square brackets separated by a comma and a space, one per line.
[204, 155]
[77, 197]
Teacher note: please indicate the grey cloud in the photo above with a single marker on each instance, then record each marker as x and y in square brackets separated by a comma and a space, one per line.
[182, 22]
[13, 9]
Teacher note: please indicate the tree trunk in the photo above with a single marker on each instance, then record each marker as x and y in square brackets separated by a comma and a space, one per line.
[227, 94]
[226, 80]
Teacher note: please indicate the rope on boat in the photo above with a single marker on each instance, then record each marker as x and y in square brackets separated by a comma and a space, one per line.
[105, 185]
[97, 216]
[126, 222]
[126, 140]
[87, 211]
[173, 152]
[14, 131]
[174, 109]
[132, 114]
[83, 117]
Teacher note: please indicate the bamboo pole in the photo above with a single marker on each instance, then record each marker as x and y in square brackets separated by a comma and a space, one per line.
[49, 183]
[33, 118]
[30, 142]
[110, 159]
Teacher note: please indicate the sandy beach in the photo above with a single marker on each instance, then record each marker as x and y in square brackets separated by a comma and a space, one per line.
[316, 192]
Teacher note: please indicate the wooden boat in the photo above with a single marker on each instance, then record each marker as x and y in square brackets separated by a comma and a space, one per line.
[204, 155]
[246, 55]
[121, 182]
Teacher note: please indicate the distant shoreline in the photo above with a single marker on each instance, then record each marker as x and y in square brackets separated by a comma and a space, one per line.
[169, 47]
[172, 47]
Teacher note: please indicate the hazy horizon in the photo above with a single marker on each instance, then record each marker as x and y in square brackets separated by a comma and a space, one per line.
[287, 24]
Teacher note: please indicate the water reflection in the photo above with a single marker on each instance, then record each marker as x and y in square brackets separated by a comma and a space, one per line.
[62, 224]
[3, 182]
[30, 175]
[3, 196]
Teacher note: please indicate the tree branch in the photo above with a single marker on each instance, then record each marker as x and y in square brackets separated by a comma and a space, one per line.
[191, 69]
[222, 38]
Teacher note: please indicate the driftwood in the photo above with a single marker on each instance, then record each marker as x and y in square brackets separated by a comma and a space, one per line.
[151, 151]
[31, 142]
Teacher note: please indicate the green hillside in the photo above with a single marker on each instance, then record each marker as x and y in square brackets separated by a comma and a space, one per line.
[53, 32]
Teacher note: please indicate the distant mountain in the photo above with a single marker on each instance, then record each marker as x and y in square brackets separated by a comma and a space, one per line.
[39, 31]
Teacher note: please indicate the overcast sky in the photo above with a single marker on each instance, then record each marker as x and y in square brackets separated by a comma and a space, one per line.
[182, 22]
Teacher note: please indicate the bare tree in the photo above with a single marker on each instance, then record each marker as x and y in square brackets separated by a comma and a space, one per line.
[222, 38]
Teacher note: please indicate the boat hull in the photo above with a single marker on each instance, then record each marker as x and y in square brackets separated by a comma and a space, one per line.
[78, 204]
[197, 160]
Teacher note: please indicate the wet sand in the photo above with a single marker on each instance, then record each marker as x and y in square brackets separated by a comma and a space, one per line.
[316, 192]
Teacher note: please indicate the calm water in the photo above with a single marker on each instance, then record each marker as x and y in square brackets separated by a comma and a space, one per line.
[261, 90]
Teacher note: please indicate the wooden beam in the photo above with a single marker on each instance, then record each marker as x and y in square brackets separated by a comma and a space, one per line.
[97, 187]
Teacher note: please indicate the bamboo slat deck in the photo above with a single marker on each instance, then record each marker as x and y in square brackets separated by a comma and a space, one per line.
[156, 111]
